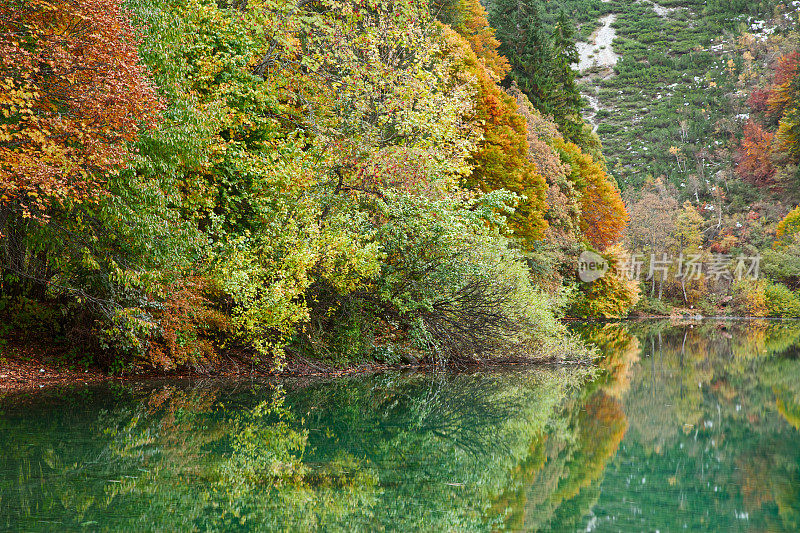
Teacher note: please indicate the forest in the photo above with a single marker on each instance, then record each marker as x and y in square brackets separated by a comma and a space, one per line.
[328, 183]
[324, 182]
[400, 265]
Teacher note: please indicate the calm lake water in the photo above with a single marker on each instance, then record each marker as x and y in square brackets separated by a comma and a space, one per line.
[686, 427]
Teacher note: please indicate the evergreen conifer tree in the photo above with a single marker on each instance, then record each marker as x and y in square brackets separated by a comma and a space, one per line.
[566, 97]
[541, 63]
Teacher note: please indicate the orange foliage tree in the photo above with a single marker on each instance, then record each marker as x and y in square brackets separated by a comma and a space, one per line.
[500, 162]
[475, 29]
[781, 93]
[72, 94]
[563, 202]
[603, 214]
[754, 162]
[757, 101]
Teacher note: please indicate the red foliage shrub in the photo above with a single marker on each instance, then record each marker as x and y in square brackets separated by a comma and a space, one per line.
[758, 99]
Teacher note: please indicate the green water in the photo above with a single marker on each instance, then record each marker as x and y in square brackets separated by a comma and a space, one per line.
[684, 428]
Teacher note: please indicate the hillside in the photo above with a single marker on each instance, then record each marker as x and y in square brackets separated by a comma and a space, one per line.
[672, 112]
[322, 184]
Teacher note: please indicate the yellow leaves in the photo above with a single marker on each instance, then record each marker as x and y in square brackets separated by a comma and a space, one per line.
[208, 68]
[788, 227]
[38, 136]
[7, 84]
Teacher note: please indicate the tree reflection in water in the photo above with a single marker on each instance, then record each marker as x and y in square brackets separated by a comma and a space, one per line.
[391, 451]
[686, 426]
[708, 447]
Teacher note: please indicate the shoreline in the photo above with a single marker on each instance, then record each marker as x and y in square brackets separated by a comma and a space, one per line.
[21, 378]
[27, 373]
[34, 368]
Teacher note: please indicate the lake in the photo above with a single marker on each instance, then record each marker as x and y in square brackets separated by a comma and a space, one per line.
[684, 426]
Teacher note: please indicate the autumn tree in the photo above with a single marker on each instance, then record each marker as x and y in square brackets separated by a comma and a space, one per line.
[611, 296]
[687, 241]
[769, 156]
[789, 227]
[563, 198]
[787, 137]
[652, 223]
[74, 95]
[652, 217]
[754, 155]
[603, 213]
[782, 93]
[342, 120]
[472, 24]
[500, 160]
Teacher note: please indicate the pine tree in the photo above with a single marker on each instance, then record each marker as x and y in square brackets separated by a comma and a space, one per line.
[528, 48]
[542, 63]
[566, 97]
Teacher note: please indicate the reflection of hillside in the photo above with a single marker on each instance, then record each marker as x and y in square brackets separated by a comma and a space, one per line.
[783, 376]
[558, 482]
[772, 481]
[619, 351]
[788, 409]
[667, 386]
[679, 363]
[708, 448]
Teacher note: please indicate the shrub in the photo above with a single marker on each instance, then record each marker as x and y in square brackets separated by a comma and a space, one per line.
[781, 301]
[604, 129]
[457, 283]
[611, 296]
[783, 263]
[749, 298]
[653, 306]
[343, 328]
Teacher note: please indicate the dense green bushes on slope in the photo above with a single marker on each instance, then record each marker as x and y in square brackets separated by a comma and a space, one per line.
[697, 121]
